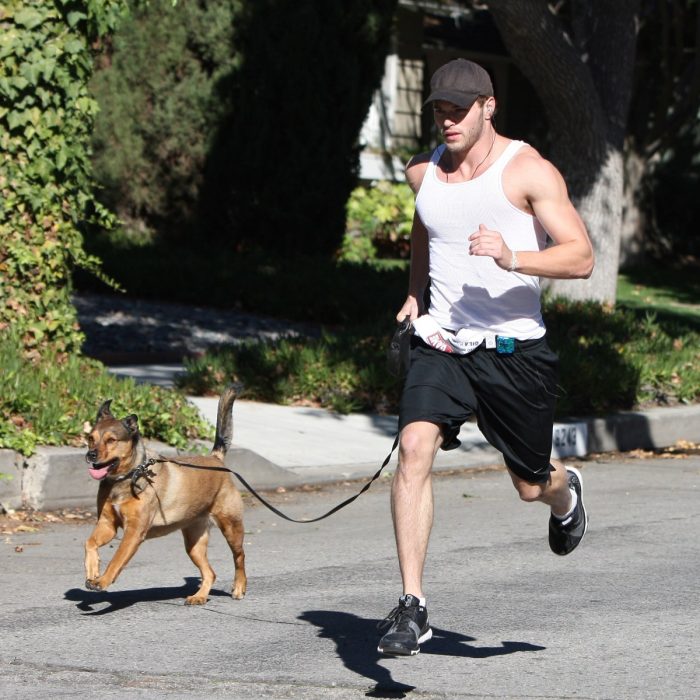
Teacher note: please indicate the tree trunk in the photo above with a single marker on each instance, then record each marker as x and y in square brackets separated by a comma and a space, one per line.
[601, 208]
[583, 78]
[634, 220]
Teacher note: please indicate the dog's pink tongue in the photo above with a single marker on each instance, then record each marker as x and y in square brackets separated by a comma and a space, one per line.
[98, 473]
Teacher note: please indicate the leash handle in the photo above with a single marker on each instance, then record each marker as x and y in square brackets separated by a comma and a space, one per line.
[275, 510]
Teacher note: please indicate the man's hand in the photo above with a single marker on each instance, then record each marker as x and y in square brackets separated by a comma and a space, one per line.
[490, 243]
[409, 308]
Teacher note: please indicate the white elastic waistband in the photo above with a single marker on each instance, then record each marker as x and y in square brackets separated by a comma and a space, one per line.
[462, 342]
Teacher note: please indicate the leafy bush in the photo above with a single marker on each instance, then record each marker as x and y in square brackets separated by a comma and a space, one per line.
[378, 222]
[596, 375]
[46, 117]
[46, 402]
[159, 109]
[671, 189]
[284, 163]
[231, 150]
[609, 361]
[345, 371]
[616, 359]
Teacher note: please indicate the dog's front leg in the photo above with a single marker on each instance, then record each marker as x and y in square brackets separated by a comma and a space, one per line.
[135, 531]
[104, 532]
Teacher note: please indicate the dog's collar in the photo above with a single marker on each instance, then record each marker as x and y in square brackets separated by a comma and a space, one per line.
[143, 470]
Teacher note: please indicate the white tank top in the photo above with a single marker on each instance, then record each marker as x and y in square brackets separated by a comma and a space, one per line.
[471, 291]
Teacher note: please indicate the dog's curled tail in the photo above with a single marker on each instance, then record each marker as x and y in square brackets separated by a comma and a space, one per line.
[224, 420]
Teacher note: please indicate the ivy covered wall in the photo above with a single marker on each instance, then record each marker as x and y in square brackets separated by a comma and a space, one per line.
[46, 118]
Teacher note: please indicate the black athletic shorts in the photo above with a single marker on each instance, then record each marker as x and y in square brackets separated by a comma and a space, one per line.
[512, 396]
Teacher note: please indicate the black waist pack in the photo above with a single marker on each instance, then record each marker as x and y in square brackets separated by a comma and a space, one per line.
[398, 356]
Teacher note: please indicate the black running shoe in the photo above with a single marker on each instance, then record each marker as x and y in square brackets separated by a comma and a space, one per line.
[565, 535]
[407, 626]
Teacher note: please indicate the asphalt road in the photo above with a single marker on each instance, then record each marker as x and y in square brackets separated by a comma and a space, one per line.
[619, 618]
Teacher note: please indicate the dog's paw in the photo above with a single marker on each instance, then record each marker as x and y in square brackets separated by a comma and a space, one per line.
[92, 584]
[238, 594]
[195, 599]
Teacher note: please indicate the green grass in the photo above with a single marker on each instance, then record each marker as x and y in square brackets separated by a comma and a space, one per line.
[673, 294]
[621, 359]
[665, 303]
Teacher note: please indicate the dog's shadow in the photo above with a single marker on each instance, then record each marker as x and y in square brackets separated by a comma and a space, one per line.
[356, 644]
[87, 601]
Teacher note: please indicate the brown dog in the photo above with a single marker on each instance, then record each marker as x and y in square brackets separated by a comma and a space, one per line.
[149, 498]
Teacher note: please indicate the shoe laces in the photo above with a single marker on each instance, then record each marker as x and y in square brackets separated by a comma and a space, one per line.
[401, 614]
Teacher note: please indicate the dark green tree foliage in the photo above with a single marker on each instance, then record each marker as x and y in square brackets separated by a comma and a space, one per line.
[675, 208]
[285, 161]
[664, 125]
[159, 110]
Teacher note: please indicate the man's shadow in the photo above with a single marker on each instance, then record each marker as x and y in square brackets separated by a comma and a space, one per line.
[118, 600]
[356, 643]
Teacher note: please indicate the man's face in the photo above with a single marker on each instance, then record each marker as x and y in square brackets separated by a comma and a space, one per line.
[461, 128]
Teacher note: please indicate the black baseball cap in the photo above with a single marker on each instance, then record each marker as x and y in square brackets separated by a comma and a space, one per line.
[460, 82]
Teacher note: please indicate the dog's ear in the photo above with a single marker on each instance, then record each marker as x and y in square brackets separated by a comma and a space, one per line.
[131, 423]
[104, 411]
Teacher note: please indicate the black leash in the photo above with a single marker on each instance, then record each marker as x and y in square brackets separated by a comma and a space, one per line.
[143, 470]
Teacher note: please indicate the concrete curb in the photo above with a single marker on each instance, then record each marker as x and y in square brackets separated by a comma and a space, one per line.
[10, 479]
[654, 428]
[55, 477]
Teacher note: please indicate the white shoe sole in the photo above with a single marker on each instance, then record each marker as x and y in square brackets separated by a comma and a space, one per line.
[423, 638]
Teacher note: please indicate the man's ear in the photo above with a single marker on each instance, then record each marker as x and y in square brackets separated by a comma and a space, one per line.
[490, 107]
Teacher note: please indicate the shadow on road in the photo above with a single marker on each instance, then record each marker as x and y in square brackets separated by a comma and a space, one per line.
[118, 600]
[356, 644]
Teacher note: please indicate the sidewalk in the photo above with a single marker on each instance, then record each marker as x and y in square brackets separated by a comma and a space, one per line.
[285, 446]
[316, 443]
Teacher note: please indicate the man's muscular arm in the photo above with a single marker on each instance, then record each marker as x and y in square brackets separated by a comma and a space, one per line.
[536, 186]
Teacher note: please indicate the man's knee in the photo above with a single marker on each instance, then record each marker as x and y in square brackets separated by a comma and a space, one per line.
[417, 448]
[529, 492]
[418, 444]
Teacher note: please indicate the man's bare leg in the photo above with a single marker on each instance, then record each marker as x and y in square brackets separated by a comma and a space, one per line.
[554, 492]
[412, 501]
[569, 520]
